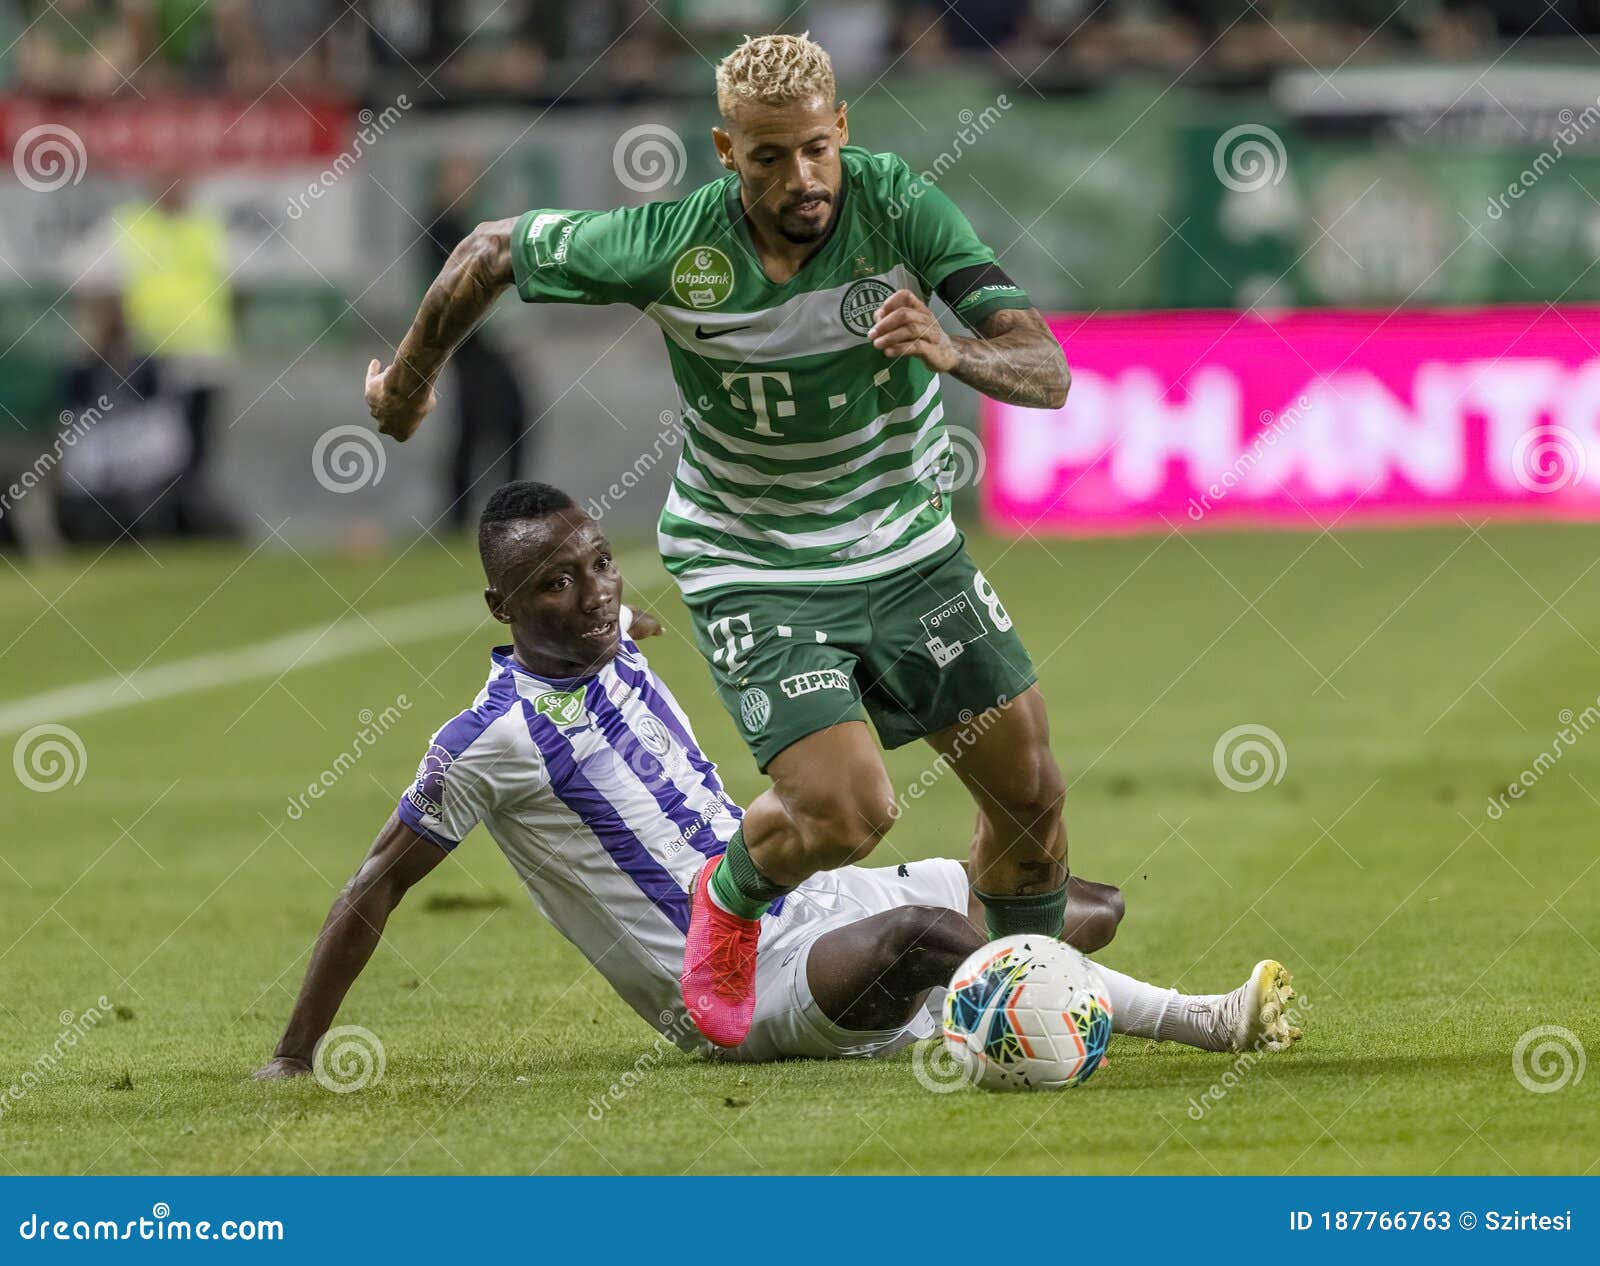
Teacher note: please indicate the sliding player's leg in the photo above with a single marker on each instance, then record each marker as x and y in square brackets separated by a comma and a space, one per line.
[829, 804]
[862, 987]
[873, 977]
[1256, 1013]
[784, 662]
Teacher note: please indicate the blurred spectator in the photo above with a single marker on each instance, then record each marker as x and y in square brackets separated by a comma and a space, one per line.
[856, 36]
[931, 30]
[406, 38]
[302, 45]
[132, 447]
[29, 473]
[716, 24]
[1101, 37]
[177, 43]
[77, 48]
[483, 390]
[178, 294]
[466, 50]
[11, 24]
[1510, 19]
[1264, 35]
[461, 48]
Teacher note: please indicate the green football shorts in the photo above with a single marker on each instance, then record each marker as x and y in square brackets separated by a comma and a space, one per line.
[918, 651]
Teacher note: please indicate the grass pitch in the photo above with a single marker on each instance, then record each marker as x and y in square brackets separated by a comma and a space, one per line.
[1409, 677]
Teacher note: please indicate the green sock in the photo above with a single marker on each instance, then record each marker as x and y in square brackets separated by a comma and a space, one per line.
[1040, 912]
[739, 888]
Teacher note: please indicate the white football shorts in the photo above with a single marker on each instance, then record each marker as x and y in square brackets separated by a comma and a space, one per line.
[788, 1023]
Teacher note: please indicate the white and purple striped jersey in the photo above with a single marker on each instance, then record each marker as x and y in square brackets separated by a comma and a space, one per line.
[604, 804]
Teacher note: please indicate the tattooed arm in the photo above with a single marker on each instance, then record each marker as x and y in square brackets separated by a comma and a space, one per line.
[472, 279]
[1015, 359]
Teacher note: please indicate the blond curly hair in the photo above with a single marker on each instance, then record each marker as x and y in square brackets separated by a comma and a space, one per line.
[775, 70]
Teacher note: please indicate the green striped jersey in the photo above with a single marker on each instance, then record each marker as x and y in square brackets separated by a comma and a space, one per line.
[808, 455]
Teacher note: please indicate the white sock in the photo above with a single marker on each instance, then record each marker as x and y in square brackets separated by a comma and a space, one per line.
[1142, 1010]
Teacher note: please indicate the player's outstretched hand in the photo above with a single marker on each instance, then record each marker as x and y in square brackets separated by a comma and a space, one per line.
[905, 326]
[644, 625]
[282, 1067]
[398, 410]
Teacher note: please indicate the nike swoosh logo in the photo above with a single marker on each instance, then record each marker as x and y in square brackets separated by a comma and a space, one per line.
[700, 331]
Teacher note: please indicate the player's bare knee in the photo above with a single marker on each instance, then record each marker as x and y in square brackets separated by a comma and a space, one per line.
[1111, 911]
[920, 946]
[1116, 905]
[1098, 926]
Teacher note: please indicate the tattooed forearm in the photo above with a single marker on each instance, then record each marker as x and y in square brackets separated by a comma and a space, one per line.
[1015, 360]
[472, 279]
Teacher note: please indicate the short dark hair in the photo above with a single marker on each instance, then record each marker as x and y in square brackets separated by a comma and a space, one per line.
[512, 503]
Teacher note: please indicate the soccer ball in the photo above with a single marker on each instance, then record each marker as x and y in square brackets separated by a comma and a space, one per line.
[1027, 1013]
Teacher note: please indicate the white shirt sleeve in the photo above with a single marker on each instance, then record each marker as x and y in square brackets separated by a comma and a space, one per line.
[469, 771]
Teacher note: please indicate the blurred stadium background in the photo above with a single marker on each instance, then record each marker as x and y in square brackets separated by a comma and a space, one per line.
[220, 208]
[1313, 262]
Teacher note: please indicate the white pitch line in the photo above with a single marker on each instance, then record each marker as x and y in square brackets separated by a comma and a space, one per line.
[300, 648]
[288, 652]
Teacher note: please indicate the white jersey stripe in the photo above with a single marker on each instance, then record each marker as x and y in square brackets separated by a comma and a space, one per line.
[745, 477]
[807, 325]
[689, 476]
[703, 580]
[798, 451]
[857, 536]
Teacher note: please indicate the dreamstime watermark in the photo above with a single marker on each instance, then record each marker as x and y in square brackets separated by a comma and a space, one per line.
[74, 427]
[974, 727]
[1574, 725]
[668, 439]
[373, 126]
[1573, 127]
[1274, 427]
[1549, 459]
[48, 757]
[974, 126]
[347, 1059]
[374, 725]
[964, 462]
[649, 158]
[348, 458]
[1547, 1059]
[49, 157]
[1248, 757]
[672, 1023]
[73, 1029]
[1219, 1090]
[1249, 157]
[937, 1068]
[160, 1226]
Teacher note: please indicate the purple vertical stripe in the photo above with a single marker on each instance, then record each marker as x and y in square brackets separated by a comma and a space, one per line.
[663, 710]
[457, 734]
[600, 816]
[619, 736]
[661, 707]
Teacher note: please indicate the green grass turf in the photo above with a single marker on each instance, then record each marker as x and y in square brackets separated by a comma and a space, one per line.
[1409, 676]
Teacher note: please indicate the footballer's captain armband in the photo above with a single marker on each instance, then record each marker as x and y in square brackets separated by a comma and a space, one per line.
[979, 289]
